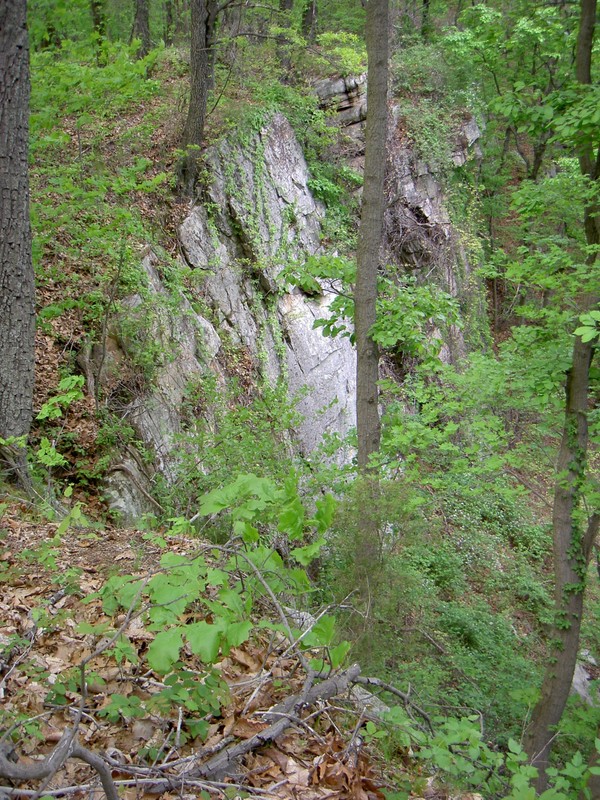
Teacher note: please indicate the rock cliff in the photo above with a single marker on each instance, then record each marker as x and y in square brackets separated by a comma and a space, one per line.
[254, 215]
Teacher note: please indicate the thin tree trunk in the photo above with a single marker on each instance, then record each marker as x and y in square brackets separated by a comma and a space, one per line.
[426, 21]
[365, 292]
[17, 292]
[285, 6]
[99, 18]
[168, 35]
[141, 27]
[572, 544]
[370, 233]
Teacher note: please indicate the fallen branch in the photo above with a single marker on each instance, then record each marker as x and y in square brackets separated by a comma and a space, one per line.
[387, 687]
[222, 763]
[49, 766]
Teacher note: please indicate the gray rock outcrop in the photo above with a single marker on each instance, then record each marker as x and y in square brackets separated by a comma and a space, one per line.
[267, 217]
[255, 214]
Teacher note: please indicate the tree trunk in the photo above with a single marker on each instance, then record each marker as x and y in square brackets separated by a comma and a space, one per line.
[99, 18]
[202, 58]
[17, 292]
[169, 23]
[283, 51]
[309, 20]
[426, 21]
[572, 544]
[365, 292]
[141, 27]
[370, 233]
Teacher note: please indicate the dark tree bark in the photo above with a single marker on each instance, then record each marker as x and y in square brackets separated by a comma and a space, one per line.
[309, 20]
[202, 61]
[17, 293]
[98, 18]
[573, 540]
[141, 27]
[370, 232]
[169, 23]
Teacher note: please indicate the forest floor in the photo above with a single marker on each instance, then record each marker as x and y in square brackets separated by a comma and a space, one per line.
[51, 623]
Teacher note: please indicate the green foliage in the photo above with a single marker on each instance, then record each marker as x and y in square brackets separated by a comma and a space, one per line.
[461, 757]
[217, 598]
[70, 389]
[230, 432]
[590, 326]
[408, 314]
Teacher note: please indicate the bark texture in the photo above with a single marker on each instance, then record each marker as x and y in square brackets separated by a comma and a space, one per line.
[573, 537]
[141, 27]
[99, 18]
[370, 232]
[309, 20]
[202, 58]
[17, 294]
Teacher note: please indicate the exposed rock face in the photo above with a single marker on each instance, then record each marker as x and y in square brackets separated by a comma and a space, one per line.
[418, 235]
[348, 96]
[255, 215]
[265, 217]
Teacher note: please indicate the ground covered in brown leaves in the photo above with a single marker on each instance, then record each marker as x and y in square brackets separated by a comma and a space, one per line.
[47, 610]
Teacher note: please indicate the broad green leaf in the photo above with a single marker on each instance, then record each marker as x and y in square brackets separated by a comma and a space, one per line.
[305, 555]
[338, 653]
[237, 633]
[204, 640]
[232, 600]
[321, 634]
[164, 650]
[325, 512]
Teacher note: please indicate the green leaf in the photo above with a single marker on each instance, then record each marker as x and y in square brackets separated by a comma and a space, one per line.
[305, 555]
[321, 634]
[338, 653]
[325, 512]
[232, 600]
[164, 650]
[204, 640]
[237, 633]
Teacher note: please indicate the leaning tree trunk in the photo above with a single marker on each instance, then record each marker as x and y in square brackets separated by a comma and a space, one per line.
[141, 27]
[17, 293]
[572, 538]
